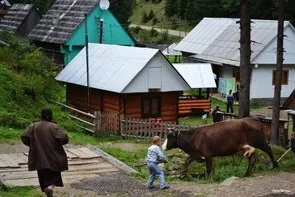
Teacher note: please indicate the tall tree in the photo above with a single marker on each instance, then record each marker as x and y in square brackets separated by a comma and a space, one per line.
[122, 10]
[278, 76]
[245, 66]
[182, 8]
[171, 7]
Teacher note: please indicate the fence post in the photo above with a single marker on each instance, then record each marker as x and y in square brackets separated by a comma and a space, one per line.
[122, 126]
[97, 115]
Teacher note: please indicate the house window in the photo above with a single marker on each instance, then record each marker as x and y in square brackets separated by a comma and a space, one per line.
[151, 107]
[285, 77]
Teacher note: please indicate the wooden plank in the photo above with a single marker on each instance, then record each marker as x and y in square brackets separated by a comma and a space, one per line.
[77, 152]
[89, 152]
[71, 155]
[67, 179]
[85, 161]
[33, 174]
[19, 158]
[8, 161]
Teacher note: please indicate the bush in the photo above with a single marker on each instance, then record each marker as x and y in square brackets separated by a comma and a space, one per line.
[151, 15]
[144, 18]
[155, 20]
[154, 33]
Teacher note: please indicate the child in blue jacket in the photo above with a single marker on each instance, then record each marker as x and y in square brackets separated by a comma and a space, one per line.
[155, 155]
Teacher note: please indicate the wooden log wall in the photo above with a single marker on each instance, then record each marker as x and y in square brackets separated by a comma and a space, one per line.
[77, 97]
[111, 102]
[186, 104]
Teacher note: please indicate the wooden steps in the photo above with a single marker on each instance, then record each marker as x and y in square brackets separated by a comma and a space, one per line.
[83, 163]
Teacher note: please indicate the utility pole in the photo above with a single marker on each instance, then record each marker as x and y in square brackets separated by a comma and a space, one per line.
[278, 76]
[87, 63]
[101, 31]
[245, 66]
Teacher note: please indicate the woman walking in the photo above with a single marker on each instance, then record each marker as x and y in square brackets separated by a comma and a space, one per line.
[46, 153]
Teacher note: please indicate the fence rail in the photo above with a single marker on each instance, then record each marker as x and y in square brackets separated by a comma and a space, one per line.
[98, 123]
[146, 128]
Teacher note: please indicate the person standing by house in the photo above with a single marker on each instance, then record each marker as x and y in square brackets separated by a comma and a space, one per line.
[46, 153]
[216, 114]
[229, 102]
[155, 156]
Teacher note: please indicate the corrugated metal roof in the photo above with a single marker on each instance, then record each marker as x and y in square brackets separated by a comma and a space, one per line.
[111, 67]
[15, 16]
[6, 3]
[217, 39]
[68, 15]
[170, 50]
[197, 75]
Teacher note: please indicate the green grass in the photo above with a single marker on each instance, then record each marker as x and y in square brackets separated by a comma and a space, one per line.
[20, 191]
[9, 135]
[142, 7]
[159, 13]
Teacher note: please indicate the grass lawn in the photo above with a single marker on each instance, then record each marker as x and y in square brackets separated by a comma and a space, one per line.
[20, 191]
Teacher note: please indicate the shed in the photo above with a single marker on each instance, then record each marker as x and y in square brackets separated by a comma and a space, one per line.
[216, 40]
[131, 81]
[4, 6]
[173, 55]
[20, 19]
[199, 76]
[61, 31]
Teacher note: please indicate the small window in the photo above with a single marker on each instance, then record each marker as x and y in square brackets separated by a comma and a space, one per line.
[285, 77]
[151, 107]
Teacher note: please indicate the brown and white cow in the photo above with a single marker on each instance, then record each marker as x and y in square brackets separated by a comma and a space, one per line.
[221, 139]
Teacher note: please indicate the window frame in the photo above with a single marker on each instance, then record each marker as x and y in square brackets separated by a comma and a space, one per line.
[149, 114]
[285, 77]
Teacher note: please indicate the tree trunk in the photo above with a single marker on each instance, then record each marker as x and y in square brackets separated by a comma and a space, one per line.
[278, 80]
[245, 67]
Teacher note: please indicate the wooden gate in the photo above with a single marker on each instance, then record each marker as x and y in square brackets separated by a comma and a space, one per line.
[106, 123]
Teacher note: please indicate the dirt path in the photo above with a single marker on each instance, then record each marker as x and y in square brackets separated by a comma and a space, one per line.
[119, 184]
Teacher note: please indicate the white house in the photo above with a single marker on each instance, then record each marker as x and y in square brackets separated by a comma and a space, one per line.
[216, 40]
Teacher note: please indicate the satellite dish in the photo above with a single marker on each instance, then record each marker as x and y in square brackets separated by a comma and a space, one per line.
[104, 4]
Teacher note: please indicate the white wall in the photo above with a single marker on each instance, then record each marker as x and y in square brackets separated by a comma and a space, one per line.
[269, 54]
[261, 82]
[168, 80]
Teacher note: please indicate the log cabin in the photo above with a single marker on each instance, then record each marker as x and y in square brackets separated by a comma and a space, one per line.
[130, 81]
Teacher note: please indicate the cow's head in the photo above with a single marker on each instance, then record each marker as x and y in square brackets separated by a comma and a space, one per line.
[171, 140]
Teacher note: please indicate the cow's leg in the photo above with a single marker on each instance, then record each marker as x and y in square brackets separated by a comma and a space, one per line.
[266, 148]
[251, 159]
[208, 160]
[268, 151]
[188, 161]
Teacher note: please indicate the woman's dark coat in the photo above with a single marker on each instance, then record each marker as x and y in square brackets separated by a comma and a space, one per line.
[45, 140]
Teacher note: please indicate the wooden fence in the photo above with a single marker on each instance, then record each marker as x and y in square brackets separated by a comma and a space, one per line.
[100, 123]
[146, 128]
[266, 123]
